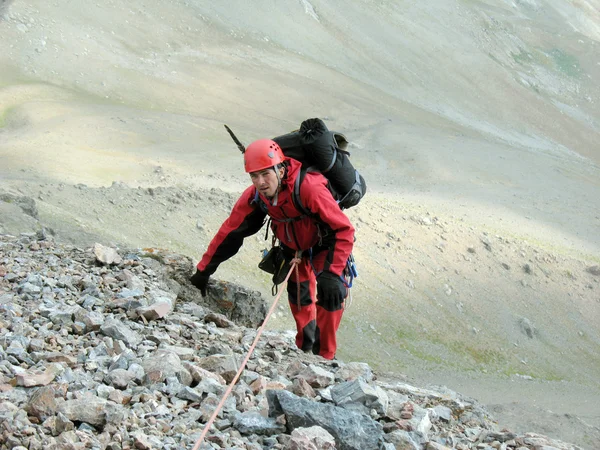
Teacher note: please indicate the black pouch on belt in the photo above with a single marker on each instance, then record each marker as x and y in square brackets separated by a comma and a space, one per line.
[275, 263]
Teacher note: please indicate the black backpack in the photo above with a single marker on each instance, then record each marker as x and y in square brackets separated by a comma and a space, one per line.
[319, 149]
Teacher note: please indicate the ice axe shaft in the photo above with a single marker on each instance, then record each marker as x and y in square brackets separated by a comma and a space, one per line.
[236, 140]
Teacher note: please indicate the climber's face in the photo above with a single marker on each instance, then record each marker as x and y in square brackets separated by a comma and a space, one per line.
[267, 181]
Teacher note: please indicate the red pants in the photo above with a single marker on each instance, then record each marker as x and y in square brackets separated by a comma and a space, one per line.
[316, 326]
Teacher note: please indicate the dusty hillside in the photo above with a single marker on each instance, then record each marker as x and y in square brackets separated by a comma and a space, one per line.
[475, 123]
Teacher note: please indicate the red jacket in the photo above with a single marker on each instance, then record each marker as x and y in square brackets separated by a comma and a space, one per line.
[327, 228]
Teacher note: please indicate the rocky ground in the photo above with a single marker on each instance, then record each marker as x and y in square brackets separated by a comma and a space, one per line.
[115, 350]
[448, 301]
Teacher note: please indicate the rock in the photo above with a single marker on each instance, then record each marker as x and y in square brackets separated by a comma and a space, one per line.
[311, 438]
[243, 306]
[253, 423]
[162, 365]
[59, 357]
[301, 388]
[92, 320]
[443, 413]
[132, 281]
[62, 424]
[354, 370]
[219, 320]
[42, 403]
[527, 327]
[199, 374]
[29, 379]
[118, 330]
[317, 377]
[184, 353]
[89, 409]
[359, 396]
[223, 365]
[351, 430]
[106, 255]
[119, 378]
[155, 311]
[188, 393]
[396, 403]
[594, 270]
[403, 440]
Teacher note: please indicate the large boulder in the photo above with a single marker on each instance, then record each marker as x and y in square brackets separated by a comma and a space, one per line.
[351, 430]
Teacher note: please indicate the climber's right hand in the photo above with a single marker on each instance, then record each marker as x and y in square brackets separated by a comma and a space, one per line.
[200, 280]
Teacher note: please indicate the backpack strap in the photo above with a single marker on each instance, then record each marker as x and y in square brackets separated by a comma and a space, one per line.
[333, 158]
[257, 201]
[296, 195]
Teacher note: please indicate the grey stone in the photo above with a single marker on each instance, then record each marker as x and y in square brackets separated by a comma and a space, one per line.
[128, 293]
[316, 376]
[92, 320]
[118, 330]
[119, 378]
[106, 255]
[89, 409]
[354, 370]
[188, 393]
[396, 402]
[42, 403]
[241, 305]
[63, 424]
[252, 422]
[403, 440]
[224, 365]
[155, 311]
[138, 371]
[359, 396]
[351, 430]
[219, 319]
[184, 353]
[443, 413]
[527, 327]
[163, 364]
[594, 270]
[312, 438]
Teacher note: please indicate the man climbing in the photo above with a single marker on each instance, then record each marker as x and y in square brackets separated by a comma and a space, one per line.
[322, 239]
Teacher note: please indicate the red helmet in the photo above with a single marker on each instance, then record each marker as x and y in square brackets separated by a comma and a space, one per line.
[262, 154]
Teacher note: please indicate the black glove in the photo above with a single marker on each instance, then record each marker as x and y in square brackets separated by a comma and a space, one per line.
[200, 280]
[331, 291]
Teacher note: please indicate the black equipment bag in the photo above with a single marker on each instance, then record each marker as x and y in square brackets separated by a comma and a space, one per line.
[317, 148]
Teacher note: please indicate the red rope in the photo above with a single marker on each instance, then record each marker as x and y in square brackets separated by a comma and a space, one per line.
[294, 262]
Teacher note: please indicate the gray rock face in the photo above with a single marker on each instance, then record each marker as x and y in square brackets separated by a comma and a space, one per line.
[361, 397]
[252, 422]
[118, 330]
[594, 270]
[224, 365]
[311, 438]
[89, 409]
[352, 431]
[106, 255]
[164, 364]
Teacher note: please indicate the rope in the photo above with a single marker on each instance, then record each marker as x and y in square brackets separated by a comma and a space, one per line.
[294, 263]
